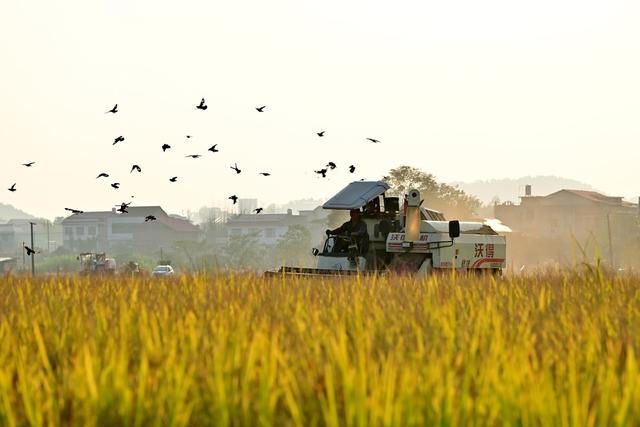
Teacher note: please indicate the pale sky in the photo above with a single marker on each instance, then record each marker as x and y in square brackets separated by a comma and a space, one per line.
[463, 89]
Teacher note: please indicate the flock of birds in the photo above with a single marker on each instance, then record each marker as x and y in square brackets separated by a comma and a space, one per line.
[202, 106]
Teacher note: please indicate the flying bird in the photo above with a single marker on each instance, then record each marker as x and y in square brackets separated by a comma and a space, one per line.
[213, 148]
[165, 147]
[257, 210]
[188, 136]
[320, 134]
[116, 185]
[234, 198]
[113, 110]
[118, 139]
[102, 175]
[135, 168]
[261, 109]
[12, 188]
[74, 211]
[265, 174]
[174, 179]
[352, 169]
[29, 164]
[202, 105]
[375, 141]
[194, 156]
[149, 218]
[322, 172]
[29, 250]
[235, 168]
[331, 165]
[123, 207]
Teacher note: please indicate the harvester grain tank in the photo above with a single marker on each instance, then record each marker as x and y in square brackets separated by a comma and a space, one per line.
[408, 239]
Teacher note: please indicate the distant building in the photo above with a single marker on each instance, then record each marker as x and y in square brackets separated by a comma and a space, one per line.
[269, 228]
[108, 230]
[574, 211]
[247, 206]
[7, 265]
[47, 235]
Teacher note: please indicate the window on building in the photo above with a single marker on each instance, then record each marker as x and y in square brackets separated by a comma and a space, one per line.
[68, 231]
[270, 232]
[79, 231]
[255, 231]
[92, 230]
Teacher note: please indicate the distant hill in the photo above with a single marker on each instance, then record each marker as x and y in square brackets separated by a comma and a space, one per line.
[8, 212]
[510, 189]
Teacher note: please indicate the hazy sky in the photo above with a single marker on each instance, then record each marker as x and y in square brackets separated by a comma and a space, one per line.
[463, 89]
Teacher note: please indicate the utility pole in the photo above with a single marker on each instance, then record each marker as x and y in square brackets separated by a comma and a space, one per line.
[48, 239]
[24, 262]
[613, 265]
[33, 254]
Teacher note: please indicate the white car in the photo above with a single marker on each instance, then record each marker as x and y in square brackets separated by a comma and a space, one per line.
[163, 270]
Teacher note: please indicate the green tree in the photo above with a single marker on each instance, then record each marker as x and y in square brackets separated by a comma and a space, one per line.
[294, 247]
[192, 254]
[450, 200]
[244, 251]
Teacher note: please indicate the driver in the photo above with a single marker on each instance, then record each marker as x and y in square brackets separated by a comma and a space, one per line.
[355, 228]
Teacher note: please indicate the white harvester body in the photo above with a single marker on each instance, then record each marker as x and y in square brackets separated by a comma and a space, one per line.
[405, 238]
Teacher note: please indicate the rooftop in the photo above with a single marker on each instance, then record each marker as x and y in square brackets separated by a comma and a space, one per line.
[177, 224]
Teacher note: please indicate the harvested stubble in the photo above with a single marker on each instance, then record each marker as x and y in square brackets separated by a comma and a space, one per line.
[243, 350]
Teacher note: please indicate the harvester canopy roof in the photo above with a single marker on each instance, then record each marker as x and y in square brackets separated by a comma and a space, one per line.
[356, 195]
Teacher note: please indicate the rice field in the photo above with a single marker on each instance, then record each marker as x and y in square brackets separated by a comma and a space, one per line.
[556, 349]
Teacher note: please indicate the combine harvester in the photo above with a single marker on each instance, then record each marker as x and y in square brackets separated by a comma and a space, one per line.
[96, 264]
[413, 240]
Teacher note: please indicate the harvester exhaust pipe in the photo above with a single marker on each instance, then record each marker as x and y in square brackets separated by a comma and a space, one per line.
[412, 221]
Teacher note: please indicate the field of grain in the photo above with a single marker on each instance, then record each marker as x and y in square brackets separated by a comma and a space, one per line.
[557, 349]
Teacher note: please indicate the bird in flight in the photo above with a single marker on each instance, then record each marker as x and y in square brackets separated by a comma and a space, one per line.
[213, 148]
[331, 165]
[149, 218]
[352, 169]
[29, 164]
[320, 134]
[261, 109]
[174, 179]
[234, 198]
[188, 136]
[113, 110]
[118, 139]
[375, 141]
[265, 174]
[29, 250]
[123, 207]
[135, 168]
[202, 105]
[12, 188]
[235, 168]
[194, 156]
[74, 211]
[165, 147]
[257, 210]
[322, 172]
[116, 185]
[102, 175]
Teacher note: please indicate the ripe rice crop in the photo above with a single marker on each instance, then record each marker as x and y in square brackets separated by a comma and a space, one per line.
[557, 349]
